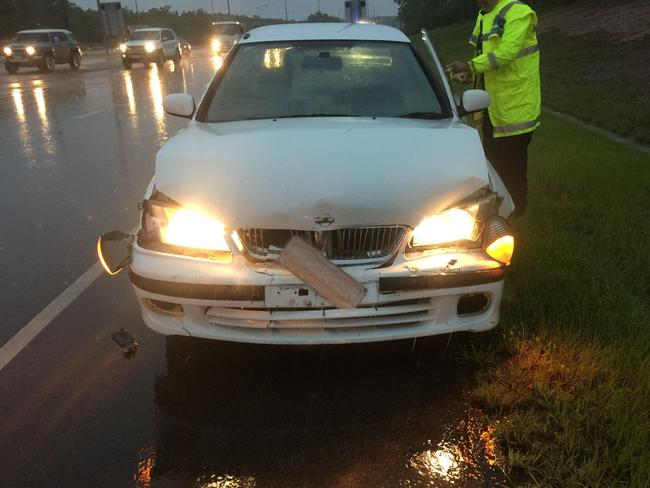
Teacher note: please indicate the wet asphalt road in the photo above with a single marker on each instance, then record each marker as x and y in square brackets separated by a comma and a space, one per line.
[76, 153]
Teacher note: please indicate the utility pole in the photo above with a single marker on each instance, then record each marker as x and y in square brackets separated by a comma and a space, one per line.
[212, 5]
[137, 12]
[319, 5]
[286, 13]
[228, 1]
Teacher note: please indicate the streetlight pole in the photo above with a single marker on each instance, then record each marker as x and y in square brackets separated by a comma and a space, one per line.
[286, 13]
[212, 5]
[137, 12]
[228, 1]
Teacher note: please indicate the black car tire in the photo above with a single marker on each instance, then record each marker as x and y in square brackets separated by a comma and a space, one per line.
[177, 57]
[11, 68]
[160, 60]
[49, 63]
[127, 64]
[75, 61]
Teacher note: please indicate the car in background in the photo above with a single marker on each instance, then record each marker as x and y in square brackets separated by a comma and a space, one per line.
[42, 49]
[186, 47]
[224, 35]
[151, 45]
[326, 190]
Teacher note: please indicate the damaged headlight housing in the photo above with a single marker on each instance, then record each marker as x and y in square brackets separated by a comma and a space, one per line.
[459, 226]
[169, 227]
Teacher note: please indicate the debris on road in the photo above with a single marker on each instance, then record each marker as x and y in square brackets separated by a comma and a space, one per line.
[127, 342]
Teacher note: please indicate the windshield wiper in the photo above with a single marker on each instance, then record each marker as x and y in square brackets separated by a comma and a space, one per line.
[318, 114]
[423, 115]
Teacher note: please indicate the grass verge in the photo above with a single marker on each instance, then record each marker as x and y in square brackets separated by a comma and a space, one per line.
[566, 376]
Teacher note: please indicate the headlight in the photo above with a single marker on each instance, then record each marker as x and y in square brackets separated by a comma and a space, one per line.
[177, 230]
[461, 225]
[30, 50]
[123, 48]
[149, 47]
[216, 45]
[7, 50]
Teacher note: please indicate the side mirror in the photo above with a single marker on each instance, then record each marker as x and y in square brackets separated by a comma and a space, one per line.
[179, 104]
[114, 251]
[474, 101]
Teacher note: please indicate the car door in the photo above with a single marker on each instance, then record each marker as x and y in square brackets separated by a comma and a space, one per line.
[167, 42]
[60, 45]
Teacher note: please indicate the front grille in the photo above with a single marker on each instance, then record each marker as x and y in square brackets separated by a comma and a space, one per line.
[350, 244]
[136, 50]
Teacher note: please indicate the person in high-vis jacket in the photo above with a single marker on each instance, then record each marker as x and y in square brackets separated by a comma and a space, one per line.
[506, 65]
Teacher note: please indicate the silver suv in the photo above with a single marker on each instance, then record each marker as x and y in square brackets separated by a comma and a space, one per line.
[43, 49]
[151, 46]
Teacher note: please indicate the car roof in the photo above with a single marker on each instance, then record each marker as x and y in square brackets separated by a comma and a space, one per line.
[325, 31]
[151, 29]
[42, 31]
[226, 22]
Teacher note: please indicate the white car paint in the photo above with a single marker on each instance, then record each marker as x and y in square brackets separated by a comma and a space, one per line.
[283, 174]
[298, 169]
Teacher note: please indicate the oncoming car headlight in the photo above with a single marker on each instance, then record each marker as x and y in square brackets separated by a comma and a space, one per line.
[7, 51]
[216, 45]
[170, 228]
[123, 47]
[30, 50]
[149, 47]
[460, 225]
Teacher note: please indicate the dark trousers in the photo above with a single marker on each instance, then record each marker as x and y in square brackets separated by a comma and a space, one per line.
[509, 157]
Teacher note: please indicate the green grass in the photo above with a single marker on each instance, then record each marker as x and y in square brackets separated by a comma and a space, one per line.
[594, 77]
[565, 378]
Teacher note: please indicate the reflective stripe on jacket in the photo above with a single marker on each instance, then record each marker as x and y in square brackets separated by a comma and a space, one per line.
[509, 63]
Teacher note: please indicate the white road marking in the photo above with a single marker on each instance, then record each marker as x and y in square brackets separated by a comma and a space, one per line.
[87, 114]
[35, 326]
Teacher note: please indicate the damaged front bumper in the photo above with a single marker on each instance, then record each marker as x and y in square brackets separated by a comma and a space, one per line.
[437, 293]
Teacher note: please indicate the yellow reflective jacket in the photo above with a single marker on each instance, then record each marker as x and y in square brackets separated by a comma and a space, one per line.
[509, 63]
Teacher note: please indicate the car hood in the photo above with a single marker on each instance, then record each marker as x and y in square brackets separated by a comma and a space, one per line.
[289, 173]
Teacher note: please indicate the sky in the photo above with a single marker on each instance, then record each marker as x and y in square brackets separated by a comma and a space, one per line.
[298, 9]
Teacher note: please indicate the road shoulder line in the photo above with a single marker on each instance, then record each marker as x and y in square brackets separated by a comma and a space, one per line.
[35, 326]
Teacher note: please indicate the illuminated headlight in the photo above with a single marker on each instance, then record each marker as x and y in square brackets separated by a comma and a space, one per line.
[30, 50]
[177, 230]
[149, 47]
[123, 48]
[461, 225]
[7, 51]
[216, 45]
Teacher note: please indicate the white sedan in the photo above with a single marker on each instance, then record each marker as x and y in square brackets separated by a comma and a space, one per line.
[326, 190]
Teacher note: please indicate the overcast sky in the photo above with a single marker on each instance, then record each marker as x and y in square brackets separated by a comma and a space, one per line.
[298, 9]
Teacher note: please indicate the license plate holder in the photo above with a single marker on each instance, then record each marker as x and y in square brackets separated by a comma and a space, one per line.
[291, 296]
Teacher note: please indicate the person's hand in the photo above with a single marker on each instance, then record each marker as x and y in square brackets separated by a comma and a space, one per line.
[458, 67]
[459, 71]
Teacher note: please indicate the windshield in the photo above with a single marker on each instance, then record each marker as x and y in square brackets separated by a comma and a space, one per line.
[145, 36]
[331, 78]
[33, 37]
[226, 29]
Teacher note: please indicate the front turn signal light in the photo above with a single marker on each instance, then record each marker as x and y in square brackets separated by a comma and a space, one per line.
[498, 241]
